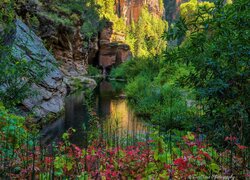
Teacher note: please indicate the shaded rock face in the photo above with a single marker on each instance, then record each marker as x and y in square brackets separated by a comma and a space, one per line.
[52, 90]
[112, 53]
[67, 45]
[130, 9]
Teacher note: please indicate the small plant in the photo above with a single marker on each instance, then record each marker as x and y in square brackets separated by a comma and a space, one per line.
[93, 71]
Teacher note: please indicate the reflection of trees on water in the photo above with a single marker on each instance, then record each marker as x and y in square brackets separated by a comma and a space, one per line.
[123, 123]
[118, 122]
[76, 117]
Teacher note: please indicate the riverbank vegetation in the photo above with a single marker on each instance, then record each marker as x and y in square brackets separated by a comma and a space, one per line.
[202, 84]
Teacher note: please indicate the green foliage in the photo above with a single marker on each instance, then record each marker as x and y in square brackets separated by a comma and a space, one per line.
[12, 132]
[153, 91]
[17, 75]
[144, 36]
[106, 11]
[7, 15]
[57, 18]
[92, 22]
[16, 78]
[93, 71]
[191, 9]
[218, 50]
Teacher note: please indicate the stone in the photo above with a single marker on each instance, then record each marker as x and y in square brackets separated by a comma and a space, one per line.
[87, 83]
[107, 32]
[54, 105]
[130, 10]
[67, 44]
[112, 53]
[29, 103]
[49, 94]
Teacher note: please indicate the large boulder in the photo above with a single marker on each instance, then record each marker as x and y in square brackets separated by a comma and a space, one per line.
[51, 91]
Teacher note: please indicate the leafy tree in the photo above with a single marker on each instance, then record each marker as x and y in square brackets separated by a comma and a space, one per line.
[218, 49]
[144, 36]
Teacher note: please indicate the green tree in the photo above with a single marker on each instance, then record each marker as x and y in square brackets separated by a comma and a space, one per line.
[218, 50]
[144, 36]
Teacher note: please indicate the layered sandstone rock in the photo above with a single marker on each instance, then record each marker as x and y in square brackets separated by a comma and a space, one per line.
[67, 45]
[130, 9]
[112, 53]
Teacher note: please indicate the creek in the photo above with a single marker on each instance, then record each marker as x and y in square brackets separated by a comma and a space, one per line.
[116, 120]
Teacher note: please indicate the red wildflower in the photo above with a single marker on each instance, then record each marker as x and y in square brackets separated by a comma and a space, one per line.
[48, 160]
[241, 147]
[181, 163]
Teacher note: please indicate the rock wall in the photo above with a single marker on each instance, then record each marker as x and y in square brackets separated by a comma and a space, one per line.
[131, 9]
[111, 53]
[51, 92]
[67, 45]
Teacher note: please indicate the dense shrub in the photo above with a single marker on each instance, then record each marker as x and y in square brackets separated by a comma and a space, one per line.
[153, 91]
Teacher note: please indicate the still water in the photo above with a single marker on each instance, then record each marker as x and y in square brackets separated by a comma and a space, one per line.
[115, 118]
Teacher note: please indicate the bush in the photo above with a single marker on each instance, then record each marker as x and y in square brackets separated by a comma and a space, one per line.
[93, 71]
[154, 93]
[13, 133]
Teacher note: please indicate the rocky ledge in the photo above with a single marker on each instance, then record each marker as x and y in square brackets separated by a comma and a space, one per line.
[50, 93]
[112, 53]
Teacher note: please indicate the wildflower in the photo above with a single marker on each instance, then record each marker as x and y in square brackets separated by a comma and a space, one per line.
[181, 163]
[241, 147]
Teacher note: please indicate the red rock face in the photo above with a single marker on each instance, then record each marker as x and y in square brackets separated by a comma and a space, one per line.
[131, 9]
[69, 51]
[111, 53]
[114, 53]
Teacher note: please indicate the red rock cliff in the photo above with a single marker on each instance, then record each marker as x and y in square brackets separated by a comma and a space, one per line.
[131, 9]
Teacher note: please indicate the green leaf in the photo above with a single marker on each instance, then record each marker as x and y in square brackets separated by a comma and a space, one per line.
[156, 155]
[215, 168]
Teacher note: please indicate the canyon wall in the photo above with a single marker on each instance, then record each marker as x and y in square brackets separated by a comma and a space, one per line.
[111, 53]
[130, 9]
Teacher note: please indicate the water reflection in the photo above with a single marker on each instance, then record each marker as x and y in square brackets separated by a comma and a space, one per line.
[123, 123]
[116, 118]
[76, 116]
